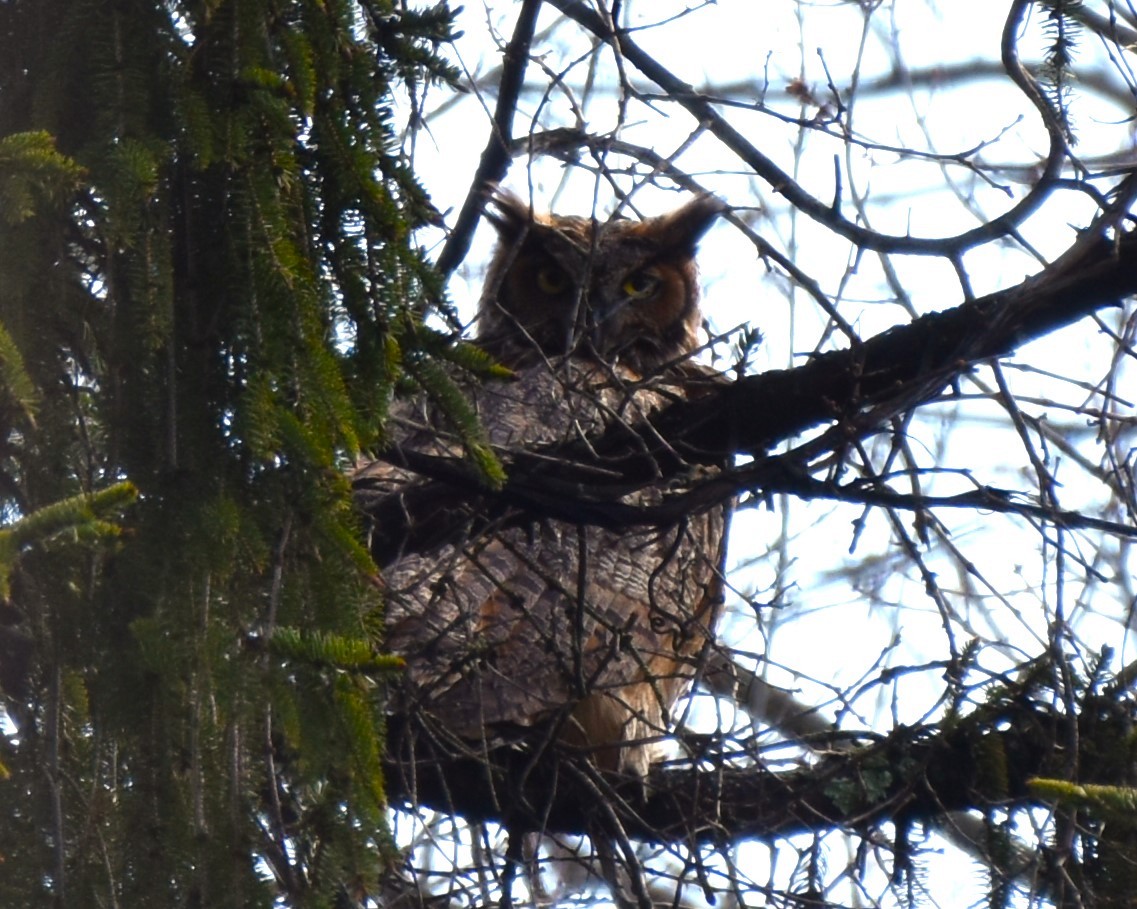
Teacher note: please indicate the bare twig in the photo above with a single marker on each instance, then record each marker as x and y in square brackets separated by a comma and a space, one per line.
[703, 111]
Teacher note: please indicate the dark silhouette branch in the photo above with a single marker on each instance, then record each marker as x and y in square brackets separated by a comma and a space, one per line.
[908, 364]
[495, 156]
[855, 391]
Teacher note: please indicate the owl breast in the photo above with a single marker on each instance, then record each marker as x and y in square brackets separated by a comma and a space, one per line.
[523, 621]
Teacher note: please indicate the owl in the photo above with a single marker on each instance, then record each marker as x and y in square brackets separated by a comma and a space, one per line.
[517, 626]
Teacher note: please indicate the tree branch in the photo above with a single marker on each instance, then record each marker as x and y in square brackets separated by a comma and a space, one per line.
[855, 390]
[698, 106]
[906, 365]
[913, 774]
[495, 156]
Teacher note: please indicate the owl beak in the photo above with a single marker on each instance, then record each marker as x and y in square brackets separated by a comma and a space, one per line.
[603, 326]
[595, 338]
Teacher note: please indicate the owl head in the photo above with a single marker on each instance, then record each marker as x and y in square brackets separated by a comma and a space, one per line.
[620, 291]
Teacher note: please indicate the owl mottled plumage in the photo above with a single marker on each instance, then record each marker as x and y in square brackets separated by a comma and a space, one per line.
[522, 620]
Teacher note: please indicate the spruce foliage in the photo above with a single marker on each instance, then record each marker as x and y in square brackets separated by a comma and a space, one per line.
[209, 293]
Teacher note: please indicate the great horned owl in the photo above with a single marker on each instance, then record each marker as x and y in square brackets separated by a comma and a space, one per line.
[522, 620]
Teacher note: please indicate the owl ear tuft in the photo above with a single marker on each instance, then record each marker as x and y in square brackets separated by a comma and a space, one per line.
[509, 214]
[681, 230]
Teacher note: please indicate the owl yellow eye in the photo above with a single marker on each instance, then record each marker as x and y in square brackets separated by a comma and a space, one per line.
[639, 285]
[552, 280]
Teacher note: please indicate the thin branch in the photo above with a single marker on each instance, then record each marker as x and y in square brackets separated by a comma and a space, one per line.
[704, 112]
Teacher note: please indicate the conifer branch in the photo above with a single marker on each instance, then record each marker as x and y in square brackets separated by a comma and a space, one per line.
[81, 514]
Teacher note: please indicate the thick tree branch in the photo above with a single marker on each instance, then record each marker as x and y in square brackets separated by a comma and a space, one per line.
[913, 774]
[905, 365]
[855, 390]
